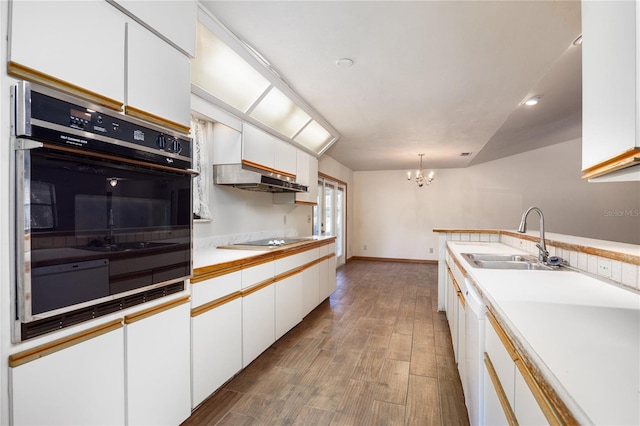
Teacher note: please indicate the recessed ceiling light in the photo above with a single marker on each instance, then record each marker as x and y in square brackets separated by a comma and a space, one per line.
[344, 62]
[532, 100]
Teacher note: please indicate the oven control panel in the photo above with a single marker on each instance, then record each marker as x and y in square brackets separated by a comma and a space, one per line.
[58, 118]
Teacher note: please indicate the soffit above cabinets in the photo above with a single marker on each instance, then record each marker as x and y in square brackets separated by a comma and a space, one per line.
[233, 76]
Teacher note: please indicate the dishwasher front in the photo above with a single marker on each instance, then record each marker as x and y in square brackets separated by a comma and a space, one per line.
[475, 314]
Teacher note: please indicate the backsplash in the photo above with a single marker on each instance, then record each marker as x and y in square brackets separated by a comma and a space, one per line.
[622, 268]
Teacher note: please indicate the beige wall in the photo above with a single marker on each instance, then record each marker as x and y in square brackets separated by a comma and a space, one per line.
[395, 218]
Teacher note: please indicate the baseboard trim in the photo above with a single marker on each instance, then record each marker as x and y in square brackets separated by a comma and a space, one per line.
[390, 259]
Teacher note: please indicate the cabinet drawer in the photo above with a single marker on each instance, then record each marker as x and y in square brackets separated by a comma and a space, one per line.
[257, 274]
[501, 359]
[291, 262]
[215, 288]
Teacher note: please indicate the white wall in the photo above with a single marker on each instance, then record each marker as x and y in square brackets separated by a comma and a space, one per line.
[240, 215]
[395, 218]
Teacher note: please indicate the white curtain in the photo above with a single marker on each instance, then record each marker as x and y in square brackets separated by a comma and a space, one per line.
[201, 165]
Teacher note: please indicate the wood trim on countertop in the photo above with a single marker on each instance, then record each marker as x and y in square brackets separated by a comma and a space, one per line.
[502, 396]
[138, 316]
[21, 71]
[38, 352]
[559, 409]
[502, 335]
[538, 394]
[628, 158]
[205, 273]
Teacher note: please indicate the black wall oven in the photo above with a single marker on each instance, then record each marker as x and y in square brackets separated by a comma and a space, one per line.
[103, 210]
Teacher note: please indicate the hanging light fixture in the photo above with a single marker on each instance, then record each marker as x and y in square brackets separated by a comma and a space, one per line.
[420, 178]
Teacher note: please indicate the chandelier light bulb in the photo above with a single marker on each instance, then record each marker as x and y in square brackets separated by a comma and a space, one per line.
[420, 178]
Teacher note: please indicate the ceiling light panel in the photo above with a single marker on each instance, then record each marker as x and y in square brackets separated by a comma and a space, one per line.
[223, 73]
[280, 113]
[314, 137]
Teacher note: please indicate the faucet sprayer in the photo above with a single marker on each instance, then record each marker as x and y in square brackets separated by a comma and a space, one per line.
[542, 247]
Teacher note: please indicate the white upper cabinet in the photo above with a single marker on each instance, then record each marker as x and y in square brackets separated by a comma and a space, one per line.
[610, 86]
[263, 149]
[62, 44]
[307, 174]
[174, 20]
[285, 157]
[158, 79]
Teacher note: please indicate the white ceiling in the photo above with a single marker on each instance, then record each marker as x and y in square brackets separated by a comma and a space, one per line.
[434, 77]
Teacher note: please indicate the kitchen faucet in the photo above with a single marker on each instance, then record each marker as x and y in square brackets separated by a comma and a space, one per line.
[542, 247]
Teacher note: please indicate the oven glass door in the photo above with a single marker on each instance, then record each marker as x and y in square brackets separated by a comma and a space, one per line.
[96, 230]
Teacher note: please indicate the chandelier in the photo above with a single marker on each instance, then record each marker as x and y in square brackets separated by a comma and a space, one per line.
[420, 178]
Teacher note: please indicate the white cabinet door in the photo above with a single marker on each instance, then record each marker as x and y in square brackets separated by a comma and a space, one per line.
[461, 354]
[227, 145]
[493, 412]
[78, 42]
[258, 146]
[216, 348]
[325, 284]
[258, 323]
[310, 289]
[502, 362]
[158, 77]
[80, 385]
[526, 408]
[288, 309]
[307, 174]
[158, 372]
[609, 80]
[174, 20]
[285, 159]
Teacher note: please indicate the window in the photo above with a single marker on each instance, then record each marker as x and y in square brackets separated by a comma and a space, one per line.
[329, 216]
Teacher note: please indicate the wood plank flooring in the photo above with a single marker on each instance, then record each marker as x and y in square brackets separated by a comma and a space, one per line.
[376, 353]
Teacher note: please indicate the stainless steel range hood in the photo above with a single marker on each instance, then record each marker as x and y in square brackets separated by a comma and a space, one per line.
[252, 178]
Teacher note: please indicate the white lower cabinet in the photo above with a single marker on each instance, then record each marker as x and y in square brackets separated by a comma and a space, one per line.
[158, 376]
[288, 311]
[216, 348]
[527, 409]
[310, 281]
[494, 413]
[80, 384]
[258, 323]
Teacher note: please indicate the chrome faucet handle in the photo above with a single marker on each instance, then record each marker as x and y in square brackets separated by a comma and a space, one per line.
[544, 254]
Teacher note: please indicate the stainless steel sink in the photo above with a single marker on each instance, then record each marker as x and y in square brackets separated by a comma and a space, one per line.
[499, 257]
[507, 261]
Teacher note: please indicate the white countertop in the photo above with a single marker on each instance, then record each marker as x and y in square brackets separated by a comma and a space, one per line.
[582, 334]
[209, 256]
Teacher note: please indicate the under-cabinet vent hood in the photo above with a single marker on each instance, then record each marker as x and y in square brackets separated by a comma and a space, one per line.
[250, 178]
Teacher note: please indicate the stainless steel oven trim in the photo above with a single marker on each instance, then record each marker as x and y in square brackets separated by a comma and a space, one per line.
[23, 241]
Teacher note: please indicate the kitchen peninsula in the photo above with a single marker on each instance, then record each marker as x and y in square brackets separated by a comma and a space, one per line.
[572, 336]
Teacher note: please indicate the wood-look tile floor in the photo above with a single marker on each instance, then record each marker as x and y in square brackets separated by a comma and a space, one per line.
[376, 352]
